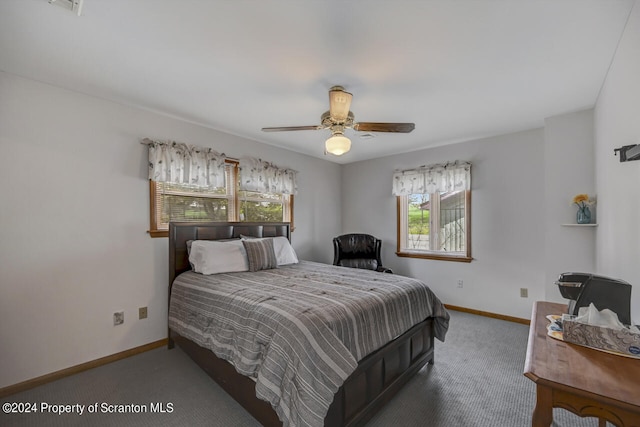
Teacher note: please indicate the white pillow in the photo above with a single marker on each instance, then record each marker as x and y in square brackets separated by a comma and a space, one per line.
[284, 251]
[212, 257]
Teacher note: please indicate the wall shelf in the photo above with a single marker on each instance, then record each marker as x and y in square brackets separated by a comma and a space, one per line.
[579, 225]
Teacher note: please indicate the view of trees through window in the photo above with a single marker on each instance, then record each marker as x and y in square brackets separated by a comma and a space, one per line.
[445, 213]
[179, 202]
[261, 207]
[418, 221]
[187, 203]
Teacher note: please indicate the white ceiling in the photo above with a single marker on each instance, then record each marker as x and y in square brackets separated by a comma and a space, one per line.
[458, 69]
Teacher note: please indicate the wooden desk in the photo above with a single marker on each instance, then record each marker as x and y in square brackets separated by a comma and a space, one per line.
[587, 382]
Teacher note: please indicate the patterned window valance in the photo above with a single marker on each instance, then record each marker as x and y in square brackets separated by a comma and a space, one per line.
[438, 178]
[180, 163]
[265, 177]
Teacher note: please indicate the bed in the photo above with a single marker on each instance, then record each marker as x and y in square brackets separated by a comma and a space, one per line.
[367, 381]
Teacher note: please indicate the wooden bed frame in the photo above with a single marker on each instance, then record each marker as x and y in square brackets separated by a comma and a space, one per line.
[378, 377]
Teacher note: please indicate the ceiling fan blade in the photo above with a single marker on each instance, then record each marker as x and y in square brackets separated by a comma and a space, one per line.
[339, 103]
[384, 127]
[279, 129]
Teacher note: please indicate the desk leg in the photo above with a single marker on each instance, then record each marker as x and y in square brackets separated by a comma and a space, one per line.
[543, 412]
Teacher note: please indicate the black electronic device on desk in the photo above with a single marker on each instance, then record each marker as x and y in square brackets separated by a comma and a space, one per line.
[583, 289]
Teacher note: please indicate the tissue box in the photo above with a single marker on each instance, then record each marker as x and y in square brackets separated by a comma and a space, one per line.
[602, 338]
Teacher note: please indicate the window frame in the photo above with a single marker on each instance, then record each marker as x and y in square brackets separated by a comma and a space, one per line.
[233, 195]
[402, 220]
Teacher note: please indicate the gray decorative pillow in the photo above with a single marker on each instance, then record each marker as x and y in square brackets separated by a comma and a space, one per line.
[260, 254]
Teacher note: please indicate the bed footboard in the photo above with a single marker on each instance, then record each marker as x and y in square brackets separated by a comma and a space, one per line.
[380, 376]
[375, 381]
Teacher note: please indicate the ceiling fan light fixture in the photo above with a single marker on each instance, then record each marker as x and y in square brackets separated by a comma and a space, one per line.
[339, 103]
[338, 144]
[339, 118]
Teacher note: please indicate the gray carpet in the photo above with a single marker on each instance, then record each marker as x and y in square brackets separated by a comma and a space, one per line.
[477, 380]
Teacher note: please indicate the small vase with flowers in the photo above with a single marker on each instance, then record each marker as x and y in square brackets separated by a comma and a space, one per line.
[583, 215]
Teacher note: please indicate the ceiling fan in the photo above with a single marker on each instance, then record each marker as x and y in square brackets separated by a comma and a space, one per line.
[339, 118]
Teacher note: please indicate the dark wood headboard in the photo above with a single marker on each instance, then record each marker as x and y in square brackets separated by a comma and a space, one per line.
[181, 232]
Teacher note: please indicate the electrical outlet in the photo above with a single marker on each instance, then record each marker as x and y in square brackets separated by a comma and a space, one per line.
[142, 313]
[524, 292]
[460, 283]
[118, 318]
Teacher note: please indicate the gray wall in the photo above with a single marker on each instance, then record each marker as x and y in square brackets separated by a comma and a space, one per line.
[507, 228]
[522, 187]
[617, 123]
[568, 170]
[73, 220]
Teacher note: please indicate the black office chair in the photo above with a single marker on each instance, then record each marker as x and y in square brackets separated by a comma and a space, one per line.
[358, 251]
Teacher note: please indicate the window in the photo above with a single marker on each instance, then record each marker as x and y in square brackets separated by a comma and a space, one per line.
[435, 226]
[434, 212]
[263, 207]
[188, 203]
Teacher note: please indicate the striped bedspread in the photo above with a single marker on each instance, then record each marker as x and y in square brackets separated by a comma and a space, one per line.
[299, 330]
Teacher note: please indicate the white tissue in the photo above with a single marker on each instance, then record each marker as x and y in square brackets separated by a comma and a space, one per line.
[607, 318]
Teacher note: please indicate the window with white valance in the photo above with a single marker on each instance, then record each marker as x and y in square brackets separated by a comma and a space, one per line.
[442, 178]
[434, 211]
[179, 163]
[261, 176]
[189, 183]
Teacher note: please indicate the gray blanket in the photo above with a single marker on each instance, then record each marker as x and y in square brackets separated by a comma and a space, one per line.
[299, 330]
